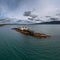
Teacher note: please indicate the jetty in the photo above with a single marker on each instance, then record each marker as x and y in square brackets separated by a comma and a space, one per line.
[27, 31]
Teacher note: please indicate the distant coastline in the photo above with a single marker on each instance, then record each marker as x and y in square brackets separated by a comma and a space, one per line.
[43, 23]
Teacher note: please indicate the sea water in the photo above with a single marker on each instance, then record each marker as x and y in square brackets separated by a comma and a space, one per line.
[16, 46]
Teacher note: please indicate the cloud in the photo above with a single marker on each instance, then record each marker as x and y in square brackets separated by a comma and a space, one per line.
[27, 13]
[16, 8]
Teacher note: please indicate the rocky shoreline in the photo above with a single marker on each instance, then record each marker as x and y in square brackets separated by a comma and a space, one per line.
[2, 25]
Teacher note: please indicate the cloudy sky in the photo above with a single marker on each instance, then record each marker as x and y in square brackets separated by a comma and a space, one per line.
[16, 8]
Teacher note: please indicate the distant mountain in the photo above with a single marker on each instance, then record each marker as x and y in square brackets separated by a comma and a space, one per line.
[51, 22]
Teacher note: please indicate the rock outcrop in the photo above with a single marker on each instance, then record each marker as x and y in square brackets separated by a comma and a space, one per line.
[31, 33]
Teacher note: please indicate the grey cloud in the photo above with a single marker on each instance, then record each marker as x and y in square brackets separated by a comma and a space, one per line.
[27, 13]
[30, 15]
[53, 19]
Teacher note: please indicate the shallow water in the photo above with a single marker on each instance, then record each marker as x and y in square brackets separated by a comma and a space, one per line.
[16, 46]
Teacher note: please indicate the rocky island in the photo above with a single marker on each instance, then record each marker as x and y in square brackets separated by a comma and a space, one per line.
[27, 31]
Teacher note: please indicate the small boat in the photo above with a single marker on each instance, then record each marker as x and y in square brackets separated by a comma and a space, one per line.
[27, 31]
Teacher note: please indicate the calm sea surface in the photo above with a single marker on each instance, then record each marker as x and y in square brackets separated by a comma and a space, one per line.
[16, 46]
